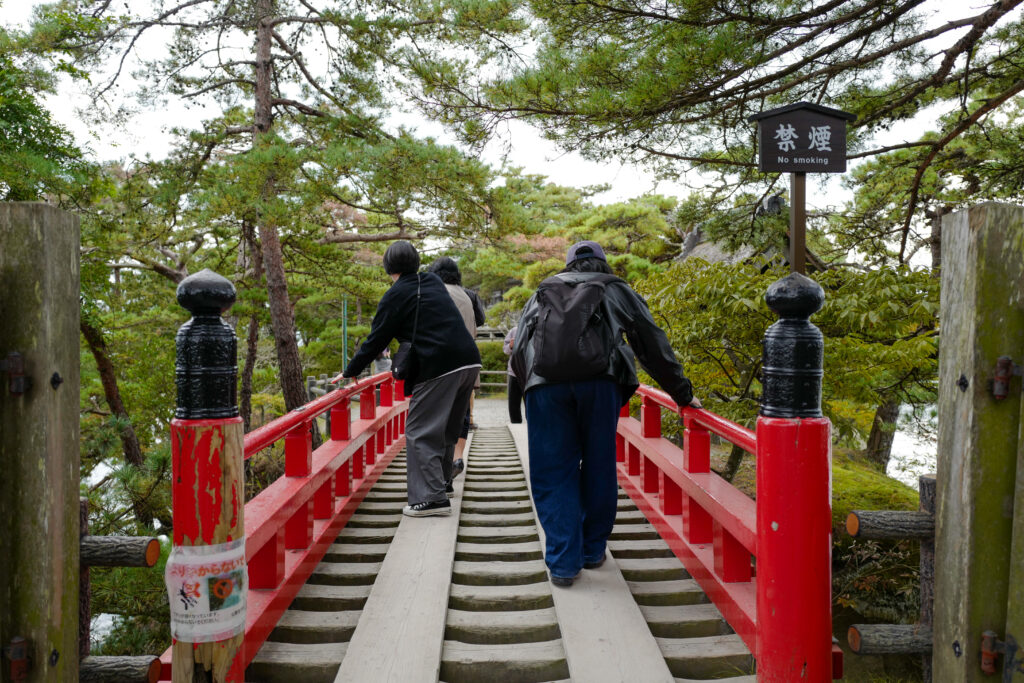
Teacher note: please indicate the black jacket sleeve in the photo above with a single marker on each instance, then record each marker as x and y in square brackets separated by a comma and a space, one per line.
[650, 344]
[387, 322]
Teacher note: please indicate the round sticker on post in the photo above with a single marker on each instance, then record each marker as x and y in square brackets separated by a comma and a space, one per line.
[206, 589]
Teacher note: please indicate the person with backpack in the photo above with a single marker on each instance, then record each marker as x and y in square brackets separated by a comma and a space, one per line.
[440, 363]
[448, 270]
[574, 356]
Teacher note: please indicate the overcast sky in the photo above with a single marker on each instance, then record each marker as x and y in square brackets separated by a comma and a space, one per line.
[147, 133]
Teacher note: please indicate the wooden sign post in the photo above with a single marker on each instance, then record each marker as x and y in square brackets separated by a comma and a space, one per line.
[799, 139]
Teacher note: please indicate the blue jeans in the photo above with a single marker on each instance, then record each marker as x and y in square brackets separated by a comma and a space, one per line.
[572, 469]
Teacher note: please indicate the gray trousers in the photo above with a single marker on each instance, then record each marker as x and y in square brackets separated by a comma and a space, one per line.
[432, 429]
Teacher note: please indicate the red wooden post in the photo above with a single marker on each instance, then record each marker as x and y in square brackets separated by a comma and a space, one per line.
[732, 561]
[794, 497]
[620, 448]
[400, 390]
[298, 451]
[650, 419]
[387, 393]
[207, 490]
[651, 480]
[696, 459]
[367, 406]
[357, 463]
[671, 496]
[266, 569]
[298, 530]
[323, 501]
[632, 460]
[370, 450]
[343, 480]
[341, 421]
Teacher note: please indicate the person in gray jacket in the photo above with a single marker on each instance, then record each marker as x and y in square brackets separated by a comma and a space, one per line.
[572, 424]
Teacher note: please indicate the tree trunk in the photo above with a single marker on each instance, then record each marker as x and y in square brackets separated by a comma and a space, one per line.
[935, 243]
[253, 334]
[282, 319]
[144, 514]
[732, 466]
[98, 347]
[883, 429]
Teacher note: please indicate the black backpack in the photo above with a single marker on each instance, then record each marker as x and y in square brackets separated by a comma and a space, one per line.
[571, 338]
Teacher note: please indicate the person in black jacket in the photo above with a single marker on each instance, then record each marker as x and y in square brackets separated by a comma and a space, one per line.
[572, 424]
[418, 309]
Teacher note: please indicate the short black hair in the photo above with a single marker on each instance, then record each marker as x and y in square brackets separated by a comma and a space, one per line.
[402, 258]
[448, 270]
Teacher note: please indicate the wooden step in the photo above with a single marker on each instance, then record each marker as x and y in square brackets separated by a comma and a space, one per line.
[514, 663]
[708, 657]
[292, 662]
[525, 626]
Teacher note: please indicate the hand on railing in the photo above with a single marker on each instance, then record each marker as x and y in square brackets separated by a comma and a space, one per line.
[695, 403]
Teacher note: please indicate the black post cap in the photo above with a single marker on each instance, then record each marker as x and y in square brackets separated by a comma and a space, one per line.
[206, 368]
[793, 350]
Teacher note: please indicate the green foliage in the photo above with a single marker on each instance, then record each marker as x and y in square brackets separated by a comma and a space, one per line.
[492, 355]
[138, 596]
[880, 331]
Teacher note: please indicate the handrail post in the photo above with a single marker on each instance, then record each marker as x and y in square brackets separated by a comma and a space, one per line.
[794, 497]
[298, 462]
[341, 421]
[208, 496]
[367, 403]
[697, 524]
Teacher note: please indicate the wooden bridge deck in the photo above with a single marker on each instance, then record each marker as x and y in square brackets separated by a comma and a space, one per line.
[467, 597]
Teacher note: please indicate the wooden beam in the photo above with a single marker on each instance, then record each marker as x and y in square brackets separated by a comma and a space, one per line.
[982, 319]
[890, 524]
[119, 551]
[144, 669]
[889, 639]
[39, 457]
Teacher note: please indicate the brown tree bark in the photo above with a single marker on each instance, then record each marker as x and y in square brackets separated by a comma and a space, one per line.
[108, 377]
[129, 440]
[732, 466]
[252, 336]
[883, 429]
[282, 318]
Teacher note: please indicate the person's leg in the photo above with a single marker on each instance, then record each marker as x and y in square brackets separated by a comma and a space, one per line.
[555, 475]
[598, 403]
[462, 389]
[425, 440]
[460, 447]
[515, 399]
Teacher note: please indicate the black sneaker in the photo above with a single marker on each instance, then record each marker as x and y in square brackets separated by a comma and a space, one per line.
[429, 509]
[563, 581]
[449, 490]
[457, 467]
[596, 563]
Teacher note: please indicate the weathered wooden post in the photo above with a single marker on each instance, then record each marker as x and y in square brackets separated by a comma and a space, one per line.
[206, 571]
[39, 457]
[979, 543]
[794, 495]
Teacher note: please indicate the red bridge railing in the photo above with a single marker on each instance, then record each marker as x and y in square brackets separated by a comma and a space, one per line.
[290, 524]
[766, 564]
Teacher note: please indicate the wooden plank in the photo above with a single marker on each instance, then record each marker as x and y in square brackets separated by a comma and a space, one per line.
[39, 451]
[408, 605]
[982, 319]
[604, 633]
[1015, 599]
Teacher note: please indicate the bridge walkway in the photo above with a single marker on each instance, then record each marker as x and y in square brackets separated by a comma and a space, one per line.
[467, 597]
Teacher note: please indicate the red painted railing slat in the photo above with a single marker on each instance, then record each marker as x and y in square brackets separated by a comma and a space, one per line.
[290, 524]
